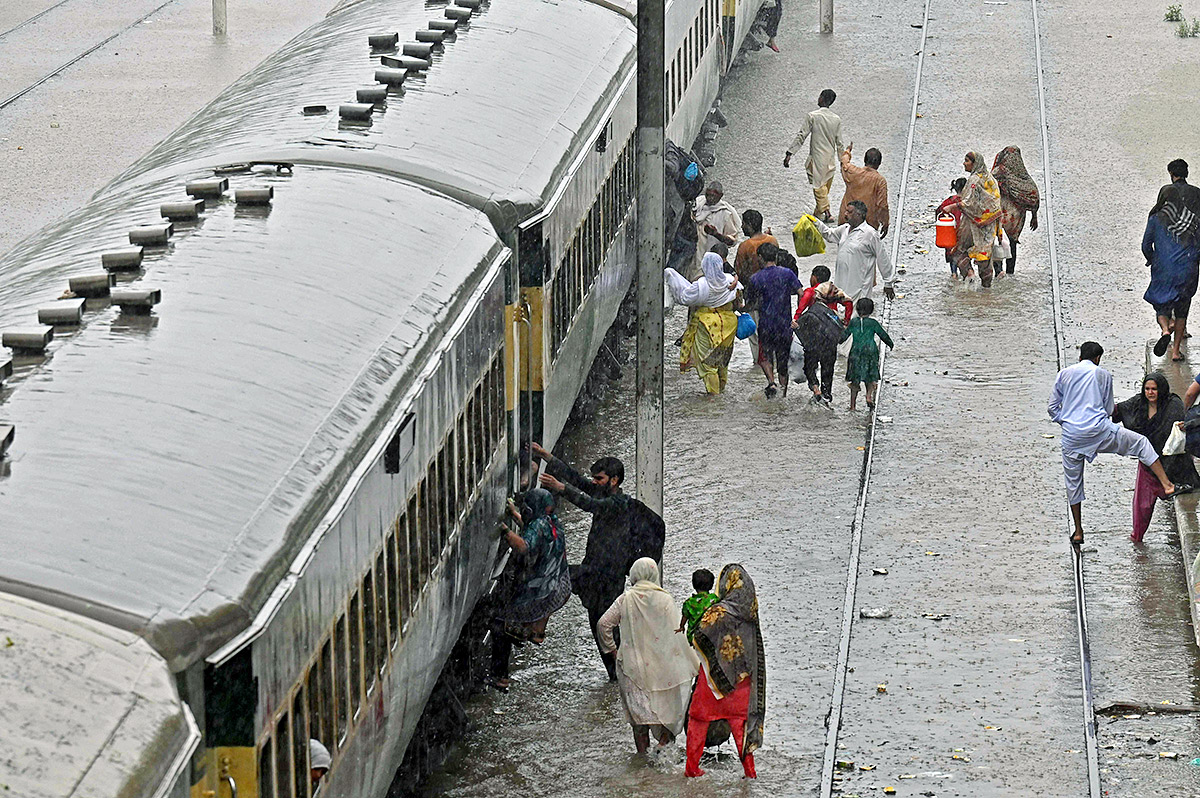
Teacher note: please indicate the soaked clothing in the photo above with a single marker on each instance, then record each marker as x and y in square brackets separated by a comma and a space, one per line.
[775, 287]
[981, 210]
[694, 607]
[868, 186]
[747, 263]
[1082, 404]
[1173, 268]
[1018, 193]
[723, 217]
[706, 708]
[823, 130]
[957, 255]
[862, 365]
[547, 584]
[860, 252]
[1134, 414]
[1178, 210]
[708, 346]
[830, 295]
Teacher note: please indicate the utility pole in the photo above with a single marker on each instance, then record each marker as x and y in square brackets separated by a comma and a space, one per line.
[651, 142]
[220, 18]
[826, 16]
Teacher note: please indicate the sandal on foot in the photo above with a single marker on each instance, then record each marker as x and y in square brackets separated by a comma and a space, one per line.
[1181, 488]
[1178, 358]
[770, 391]
[1160, 346]
[1076, 538]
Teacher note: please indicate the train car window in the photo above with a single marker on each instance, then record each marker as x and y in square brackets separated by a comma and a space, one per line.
[445, 480]
[498, 400]
[412, 534]
[477, 421]
[403, 577]
[300, 736]
[454, 487]
[382, 594]
[370, 636]
[429, 518]
[464, 463]
[266, 770]
[393, 587]
[343, 680]
[312, 688]
[283, 760]
[355, 657]
[325, 686]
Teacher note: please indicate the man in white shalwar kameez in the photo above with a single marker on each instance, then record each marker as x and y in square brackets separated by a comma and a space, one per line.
[860, 251]
[823, 130]
[1082, 404]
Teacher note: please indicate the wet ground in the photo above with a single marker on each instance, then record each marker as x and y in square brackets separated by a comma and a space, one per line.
[965, 507]
[155, 65]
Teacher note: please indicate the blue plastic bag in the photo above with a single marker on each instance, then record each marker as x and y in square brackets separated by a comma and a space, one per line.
[746, 326]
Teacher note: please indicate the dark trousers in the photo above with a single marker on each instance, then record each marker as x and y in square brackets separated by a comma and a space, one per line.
[610, 660]
[776, 352]
[502, 646]
[1012, 262]
[824, 358]
[771, 19]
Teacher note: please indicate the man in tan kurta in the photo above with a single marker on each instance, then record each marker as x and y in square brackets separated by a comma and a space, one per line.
[864, 183]
[823, 130]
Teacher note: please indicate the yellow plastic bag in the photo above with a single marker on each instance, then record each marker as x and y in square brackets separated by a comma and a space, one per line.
[806, 238]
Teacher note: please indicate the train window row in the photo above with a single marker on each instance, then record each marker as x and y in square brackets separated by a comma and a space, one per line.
[344, 672]
[589, 245]
[687, 58]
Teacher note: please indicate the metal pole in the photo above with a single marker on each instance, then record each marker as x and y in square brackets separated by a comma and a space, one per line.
[651, 113]
[826, 16]
[220, 18]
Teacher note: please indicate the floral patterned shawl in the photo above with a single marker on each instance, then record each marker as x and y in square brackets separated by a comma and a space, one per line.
[729, 640]
[981, 198]
[1014, 180]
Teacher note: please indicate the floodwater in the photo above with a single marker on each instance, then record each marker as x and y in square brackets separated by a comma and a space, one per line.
[965, 506]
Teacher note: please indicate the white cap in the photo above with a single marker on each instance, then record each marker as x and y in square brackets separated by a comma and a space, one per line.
[318, 755]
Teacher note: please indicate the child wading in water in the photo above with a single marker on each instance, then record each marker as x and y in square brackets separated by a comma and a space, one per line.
[863, 363]
[698, 602]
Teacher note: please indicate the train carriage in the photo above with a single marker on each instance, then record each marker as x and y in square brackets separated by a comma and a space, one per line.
[285, 477]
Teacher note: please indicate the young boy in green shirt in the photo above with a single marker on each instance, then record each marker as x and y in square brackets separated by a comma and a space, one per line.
[698, 602]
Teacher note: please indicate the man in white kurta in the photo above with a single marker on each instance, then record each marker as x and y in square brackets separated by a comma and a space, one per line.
[716, 221]
[823, 130]
[860, 252]
[1082, 404]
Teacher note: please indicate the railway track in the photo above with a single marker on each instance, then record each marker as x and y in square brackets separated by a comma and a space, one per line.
[12, 98]
[834, 716]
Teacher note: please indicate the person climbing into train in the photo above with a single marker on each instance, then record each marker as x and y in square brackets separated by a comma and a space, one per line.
[822, 129]
[319, 761]
[600, 576]
[1082, 404]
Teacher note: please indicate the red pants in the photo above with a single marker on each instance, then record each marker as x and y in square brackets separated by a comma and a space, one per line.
[706, 708]
[1146, 491]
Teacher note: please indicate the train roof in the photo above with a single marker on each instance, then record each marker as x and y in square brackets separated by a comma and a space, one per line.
[168, 467]
[495, 121]
[88, 710]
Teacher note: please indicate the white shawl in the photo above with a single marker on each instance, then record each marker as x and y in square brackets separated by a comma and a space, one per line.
[714, 289]
[652, 655]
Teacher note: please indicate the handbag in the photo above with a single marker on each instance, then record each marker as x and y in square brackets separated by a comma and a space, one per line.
[745, 326]
[1000, 246]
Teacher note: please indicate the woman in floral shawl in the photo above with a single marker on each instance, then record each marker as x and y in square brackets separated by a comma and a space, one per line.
[980, 206]
[547, 580]
[1018, 196]
[733, 671]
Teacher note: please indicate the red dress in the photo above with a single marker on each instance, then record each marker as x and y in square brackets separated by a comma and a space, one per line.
[706, 707]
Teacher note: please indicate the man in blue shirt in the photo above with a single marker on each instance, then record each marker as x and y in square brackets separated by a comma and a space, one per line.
[1082, 404]
[774, 286]
[1172, 250]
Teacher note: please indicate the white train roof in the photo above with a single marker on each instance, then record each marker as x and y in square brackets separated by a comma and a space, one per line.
[87, 709]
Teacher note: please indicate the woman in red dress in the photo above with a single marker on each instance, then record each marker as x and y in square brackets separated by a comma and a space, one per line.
[732, 685]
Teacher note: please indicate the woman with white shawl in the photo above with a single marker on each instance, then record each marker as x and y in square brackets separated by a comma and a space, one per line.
[655, 666]
[708, 341]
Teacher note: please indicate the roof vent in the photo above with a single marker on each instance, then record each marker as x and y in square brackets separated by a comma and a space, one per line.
[137, 300]
[211, 189]
[68, 312]
[7, 433]
[314, 110]
[122, 260]
[404, 62]
[431, 36]
[392, 77]
[443, 25]
[5, 368]
[151, 235]
[356, 112]
[458, 13]
[92, 285]
[372, 94]
[254, 196]
[384, 41]
[474, 5]
[187, 211]
[418, 50]
[33, 340]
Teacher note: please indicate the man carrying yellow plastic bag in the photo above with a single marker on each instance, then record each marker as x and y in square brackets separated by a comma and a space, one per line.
[806, 238]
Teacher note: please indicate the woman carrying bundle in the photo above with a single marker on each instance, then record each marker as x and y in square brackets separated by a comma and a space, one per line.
[708, 342]
[1018, 196]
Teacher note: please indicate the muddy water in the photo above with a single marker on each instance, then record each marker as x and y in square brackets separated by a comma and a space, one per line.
[966, 509]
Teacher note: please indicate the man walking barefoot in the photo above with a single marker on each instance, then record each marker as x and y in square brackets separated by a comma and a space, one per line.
[823, 129]
[1082, 404]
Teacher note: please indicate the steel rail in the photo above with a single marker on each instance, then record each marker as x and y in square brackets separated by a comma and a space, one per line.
[12, 98]
[833, 720]
[1095, 790]
[34, 18]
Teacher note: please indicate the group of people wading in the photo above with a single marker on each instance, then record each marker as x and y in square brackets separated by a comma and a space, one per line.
[701, 668]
